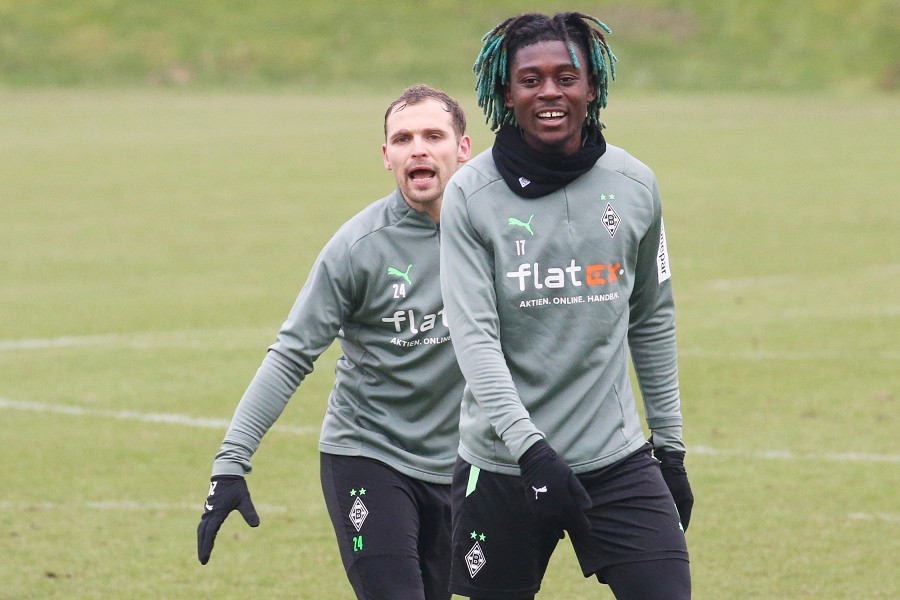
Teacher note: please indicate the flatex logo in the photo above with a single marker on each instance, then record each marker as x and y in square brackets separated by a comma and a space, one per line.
[407, 319]
[532, 275]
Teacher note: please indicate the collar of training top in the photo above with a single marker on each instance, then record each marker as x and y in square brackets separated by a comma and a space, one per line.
[532, 174]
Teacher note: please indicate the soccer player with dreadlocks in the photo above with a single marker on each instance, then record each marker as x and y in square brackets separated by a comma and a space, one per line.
[554, 268]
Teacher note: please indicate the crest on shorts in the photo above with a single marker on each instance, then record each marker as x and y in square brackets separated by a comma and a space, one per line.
[475, 560]
[358, 513]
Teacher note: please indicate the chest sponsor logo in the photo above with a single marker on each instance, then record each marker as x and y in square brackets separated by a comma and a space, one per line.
[407, 320]
[584, 280]
[534, 276]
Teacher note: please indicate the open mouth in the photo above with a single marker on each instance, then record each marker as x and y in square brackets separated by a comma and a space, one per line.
[421, 174]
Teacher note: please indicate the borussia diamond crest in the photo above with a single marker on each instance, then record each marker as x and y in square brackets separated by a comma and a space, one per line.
[610, 220]
[358, 513]
[475, 560]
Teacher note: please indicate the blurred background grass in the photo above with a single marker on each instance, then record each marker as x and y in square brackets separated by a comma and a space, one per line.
[169, 171]
[370, 44]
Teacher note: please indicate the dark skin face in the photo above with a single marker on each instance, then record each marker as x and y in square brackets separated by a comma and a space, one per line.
[549, 96]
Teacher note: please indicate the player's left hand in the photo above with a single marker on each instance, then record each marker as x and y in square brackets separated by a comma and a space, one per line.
[675, 475]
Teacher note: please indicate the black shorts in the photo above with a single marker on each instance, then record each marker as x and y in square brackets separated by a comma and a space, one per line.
[500, 550]
[393, 531]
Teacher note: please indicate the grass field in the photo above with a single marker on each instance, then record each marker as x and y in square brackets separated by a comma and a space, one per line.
[254, 44]
[152, 243]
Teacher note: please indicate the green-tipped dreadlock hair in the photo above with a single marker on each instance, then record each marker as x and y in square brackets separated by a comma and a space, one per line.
[501, 43]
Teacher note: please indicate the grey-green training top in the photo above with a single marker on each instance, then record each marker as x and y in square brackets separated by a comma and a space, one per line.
[375, 287]
[544, 297]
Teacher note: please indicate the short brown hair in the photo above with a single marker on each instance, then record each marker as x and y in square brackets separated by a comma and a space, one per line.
[419, 93]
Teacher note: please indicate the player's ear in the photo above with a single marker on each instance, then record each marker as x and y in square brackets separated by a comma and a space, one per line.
[465, 149]
[592, 89]
[387, 163]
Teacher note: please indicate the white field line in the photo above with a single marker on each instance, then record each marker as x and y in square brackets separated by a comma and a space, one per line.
[877, 517]
[183, 340]
[198, 338]
[176, 419]
[123, 505]
[263, 509]
[195, 339]
[749, 282]
[760, 355]
[132, 415]
[69, 342]
[843, 457]
[135, 341]
[884, 310]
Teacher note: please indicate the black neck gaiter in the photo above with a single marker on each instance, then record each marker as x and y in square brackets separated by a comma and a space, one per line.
[532, 174]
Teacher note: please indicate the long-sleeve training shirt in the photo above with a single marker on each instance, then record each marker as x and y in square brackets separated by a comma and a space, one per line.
[544, 298]
[376, 288]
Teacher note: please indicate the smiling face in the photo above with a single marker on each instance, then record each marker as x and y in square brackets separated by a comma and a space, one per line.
[423, 151]
[549, 96]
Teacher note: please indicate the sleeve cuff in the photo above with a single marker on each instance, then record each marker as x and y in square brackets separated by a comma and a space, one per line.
[668, 438]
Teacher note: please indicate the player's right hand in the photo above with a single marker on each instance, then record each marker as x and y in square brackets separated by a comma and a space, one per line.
[554, 492]
[226, 493]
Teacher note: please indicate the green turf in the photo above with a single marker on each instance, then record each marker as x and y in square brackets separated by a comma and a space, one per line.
[152, 243]
[662, 44]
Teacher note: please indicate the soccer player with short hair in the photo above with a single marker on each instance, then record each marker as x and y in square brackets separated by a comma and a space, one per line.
[390, 432]
[554, 268]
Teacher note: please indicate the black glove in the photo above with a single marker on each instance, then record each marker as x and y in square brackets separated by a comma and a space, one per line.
[226, 493]
[554, 493]
[672, 465]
